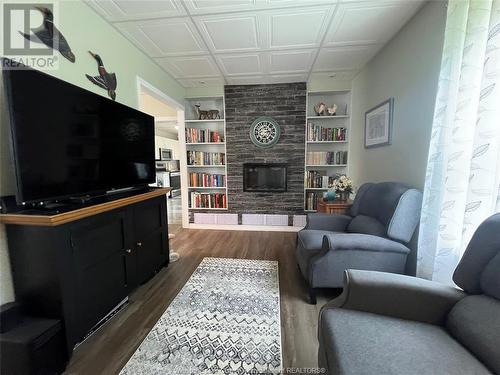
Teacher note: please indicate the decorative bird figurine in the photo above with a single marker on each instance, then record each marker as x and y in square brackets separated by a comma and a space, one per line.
[332, 111]
[320, 109]
[49, 35]
[105, 80]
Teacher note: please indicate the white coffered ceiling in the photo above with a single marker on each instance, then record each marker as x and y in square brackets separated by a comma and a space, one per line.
[211, 42]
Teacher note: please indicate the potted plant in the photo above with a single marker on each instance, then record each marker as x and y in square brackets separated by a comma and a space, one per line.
[343, 187]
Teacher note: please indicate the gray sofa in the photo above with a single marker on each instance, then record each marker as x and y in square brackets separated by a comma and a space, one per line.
[392, 324]
[374, 236]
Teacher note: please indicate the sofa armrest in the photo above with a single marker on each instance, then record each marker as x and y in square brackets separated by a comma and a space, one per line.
[398, 296]
[367, 242]
[334, 223]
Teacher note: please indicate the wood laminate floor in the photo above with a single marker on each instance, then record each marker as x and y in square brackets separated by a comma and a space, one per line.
[107, 351]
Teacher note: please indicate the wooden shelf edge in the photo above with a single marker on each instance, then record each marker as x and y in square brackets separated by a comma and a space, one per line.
[327, 117]
[66, 217]
[204, 121]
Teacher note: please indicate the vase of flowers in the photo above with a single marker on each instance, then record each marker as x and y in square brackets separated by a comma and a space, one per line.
[343, 187]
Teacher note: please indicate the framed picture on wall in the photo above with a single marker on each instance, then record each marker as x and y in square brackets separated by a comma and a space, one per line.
[378, 124]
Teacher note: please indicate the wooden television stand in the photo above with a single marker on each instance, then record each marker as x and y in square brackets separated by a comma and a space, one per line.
[78, 265]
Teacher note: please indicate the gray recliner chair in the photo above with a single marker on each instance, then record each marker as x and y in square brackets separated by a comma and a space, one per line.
[374, 236]
[393, 324]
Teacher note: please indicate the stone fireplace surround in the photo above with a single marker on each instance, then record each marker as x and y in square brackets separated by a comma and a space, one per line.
[285, 103]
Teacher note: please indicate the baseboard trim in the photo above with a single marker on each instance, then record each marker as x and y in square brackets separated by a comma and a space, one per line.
[255, 228]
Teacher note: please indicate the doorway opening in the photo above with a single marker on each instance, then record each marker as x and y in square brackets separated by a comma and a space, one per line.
[169, 122]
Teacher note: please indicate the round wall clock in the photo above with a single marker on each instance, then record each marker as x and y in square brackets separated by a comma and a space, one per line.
[264, 132]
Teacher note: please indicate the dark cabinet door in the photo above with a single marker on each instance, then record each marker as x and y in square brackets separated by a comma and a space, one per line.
[100, 247]
[150, 236]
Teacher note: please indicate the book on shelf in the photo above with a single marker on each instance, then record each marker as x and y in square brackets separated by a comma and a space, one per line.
[311, 201]
[194, 135]
[208, 200]
[318, 133]
[318, 179]
[205, 158]
[326, 157]
[206, 180]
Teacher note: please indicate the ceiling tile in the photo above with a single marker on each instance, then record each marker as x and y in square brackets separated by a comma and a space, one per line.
[197, 7]
[207, 42]
[297, 28]
[190, 67]
[373, 22]
[344, 58]
[291, 61]
[229, 33]
[124, 10]
[287, 78]
[340, 75]
[247, 80]
[240, 64]
[263, 79]
[215, 6]
[167, 37]
[201, 82]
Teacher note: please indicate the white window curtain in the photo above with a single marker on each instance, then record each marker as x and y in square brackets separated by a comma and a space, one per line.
[463, 172]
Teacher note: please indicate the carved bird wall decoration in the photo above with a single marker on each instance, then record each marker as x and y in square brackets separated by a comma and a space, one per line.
[49, 35]
[105, 80]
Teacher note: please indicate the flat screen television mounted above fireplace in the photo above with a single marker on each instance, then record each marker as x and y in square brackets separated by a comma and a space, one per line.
[265, 177]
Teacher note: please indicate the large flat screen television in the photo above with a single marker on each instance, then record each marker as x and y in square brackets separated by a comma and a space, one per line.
[70, 142]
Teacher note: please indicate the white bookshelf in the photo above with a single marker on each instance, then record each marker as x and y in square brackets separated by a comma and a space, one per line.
[340, 120]
[219, 125]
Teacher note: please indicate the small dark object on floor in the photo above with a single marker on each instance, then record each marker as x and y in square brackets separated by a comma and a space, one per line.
[30, 345]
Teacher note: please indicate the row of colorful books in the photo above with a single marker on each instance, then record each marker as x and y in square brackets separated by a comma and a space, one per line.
[311, 201]
[205, 158]
[208, 200]
[319, 133]
[326, 157]
[206, 180]
[203, 136]
[318, 179]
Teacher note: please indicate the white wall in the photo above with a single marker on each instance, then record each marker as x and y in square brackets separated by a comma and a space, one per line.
[407, 68]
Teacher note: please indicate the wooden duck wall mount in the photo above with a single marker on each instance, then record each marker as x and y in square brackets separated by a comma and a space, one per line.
[49, 35]
[105, 80]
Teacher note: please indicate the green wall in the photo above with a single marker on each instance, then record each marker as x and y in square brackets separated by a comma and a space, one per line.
[406, 69]
[85, 30]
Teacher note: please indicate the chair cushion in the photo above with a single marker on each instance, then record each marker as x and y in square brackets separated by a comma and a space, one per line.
[475, 322]
[380, 201]
[366, 225]
[363, 343]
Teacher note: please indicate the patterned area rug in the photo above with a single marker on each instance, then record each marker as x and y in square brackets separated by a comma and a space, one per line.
[225, 320]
